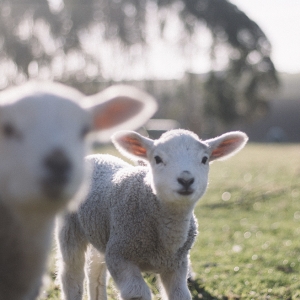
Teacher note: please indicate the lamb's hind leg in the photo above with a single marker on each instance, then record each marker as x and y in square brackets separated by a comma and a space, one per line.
[96, 274]
[72, 246]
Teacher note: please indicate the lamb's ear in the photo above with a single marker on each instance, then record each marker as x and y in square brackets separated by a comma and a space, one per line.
[132, 144]
[119, 107]
[226, 145]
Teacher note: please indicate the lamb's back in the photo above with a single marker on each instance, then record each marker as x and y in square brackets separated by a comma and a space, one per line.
[114, 196]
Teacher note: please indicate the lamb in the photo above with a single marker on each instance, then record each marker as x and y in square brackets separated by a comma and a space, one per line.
[139, 218]
[43, 128]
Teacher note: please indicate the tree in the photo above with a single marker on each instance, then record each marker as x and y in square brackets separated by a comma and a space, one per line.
[39, 36]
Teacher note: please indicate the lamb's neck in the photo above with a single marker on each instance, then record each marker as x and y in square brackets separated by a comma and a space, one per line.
[36, 226]
[34, 240]
[175, 225]
[36, 229]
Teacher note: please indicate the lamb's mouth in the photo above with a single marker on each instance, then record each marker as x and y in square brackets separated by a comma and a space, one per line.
[54, 187]
[185, 192]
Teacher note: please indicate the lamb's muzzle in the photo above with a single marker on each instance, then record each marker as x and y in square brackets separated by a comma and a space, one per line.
[59, 171]
[186, 180]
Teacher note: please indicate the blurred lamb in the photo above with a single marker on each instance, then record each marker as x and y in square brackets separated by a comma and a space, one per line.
[140, 218]
[42, 131]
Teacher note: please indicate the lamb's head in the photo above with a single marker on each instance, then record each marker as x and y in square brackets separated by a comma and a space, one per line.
[42, 136]
[179, 160]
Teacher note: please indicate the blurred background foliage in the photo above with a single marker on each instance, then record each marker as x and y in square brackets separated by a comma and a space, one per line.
[71, 40]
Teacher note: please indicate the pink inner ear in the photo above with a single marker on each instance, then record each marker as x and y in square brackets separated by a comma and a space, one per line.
[133, 146]
[116, 111]
[225, 147]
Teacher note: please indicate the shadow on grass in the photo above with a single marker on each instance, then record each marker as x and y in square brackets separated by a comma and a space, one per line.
[195, 286]
[198, 291]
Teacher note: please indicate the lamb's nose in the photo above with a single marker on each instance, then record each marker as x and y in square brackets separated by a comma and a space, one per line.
[186, 183]
[186, 180]
[57, 163]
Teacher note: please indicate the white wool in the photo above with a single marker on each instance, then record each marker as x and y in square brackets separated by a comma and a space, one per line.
[139, 218]
[43, 127]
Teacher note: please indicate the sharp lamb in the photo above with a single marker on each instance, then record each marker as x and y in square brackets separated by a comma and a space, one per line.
[139, 218]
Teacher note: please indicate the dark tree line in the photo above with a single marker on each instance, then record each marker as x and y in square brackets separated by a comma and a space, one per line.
[240, 90]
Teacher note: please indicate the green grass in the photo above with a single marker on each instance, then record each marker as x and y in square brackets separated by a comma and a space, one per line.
[249, 222]
[248, 245]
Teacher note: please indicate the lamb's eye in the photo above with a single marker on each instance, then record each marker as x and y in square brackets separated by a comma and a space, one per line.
[9, 131]
[204, 160]
[158, 160]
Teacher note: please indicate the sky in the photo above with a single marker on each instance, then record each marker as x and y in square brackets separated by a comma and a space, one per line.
[280, 21]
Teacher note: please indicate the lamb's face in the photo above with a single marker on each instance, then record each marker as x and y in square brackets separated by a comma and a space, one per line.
[42, 131]
[179, 160]
[180, 166]
[42, 148]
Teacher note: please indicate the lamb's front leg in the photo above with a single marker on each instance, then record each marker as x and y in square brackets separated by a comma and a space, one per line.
[128, 278]
[175, 283]
[96, 274]
[72, 246]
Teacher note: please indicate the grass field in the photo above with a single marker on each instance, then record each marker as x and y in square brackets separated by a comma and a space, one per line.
[249, 228]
